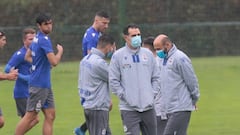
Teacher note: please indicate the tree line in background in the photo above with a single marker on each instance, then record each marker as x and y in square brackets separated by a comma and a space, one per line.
[201, 28]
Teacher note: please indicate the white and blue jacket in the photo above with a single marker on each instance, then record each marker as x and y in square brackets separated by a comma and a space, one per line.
[134, 78]
[93, 81]
[179, 84]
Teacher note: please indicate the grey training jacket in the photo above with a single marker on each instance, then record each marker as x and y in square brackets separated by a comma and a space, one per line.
[134, 78]
[93, 81]
[179, 84]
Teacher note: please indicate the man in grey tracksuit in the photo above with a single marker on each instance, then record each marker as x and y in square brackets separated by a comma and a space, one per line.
[179, 89]
[93, 86]
[134, 78]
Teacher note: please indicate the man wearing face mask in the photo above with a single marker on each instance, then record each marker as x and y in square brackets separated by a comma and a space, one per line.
[93, 86]
[179, 89]
[134, 78]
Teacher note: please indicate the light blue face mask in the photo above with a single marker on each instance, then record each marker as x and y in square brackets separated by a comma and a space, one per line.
[109, 54]
[136, 41]
[161, 54]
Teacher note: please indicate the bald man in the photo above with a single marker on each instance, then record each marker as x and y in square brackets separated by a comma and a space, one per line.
[179, 88]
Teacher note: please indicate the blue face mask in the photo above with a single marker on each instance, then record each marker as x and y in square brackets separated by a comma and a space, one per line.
[161, 54]
[136, 41]
[109, 54]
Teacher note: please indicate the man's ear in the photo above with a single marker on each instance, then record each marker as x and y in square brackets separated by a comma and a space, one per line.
[167, 45]
[38, 25]
[124, 36]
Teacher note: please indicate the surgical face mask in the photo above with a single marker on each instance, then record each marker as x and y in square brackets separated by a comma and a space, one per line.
[109, 54]
[136, 41]
[161, 54]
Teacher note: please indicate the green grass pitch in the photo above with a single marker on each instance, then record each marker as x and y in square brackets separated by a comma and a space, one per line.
[219, 105]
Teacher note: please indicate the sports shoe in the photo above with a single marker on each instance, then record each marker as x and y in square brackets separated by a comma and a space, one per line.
[78, 131]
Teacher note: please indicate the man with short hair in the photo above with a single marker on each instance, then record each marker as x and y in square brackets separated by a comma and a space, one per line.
[12, 75]
[92, 34]
[148, 43]
[179, 88]
[89, 41]
[134, 78]
[17, 61]
[43, 59]
[93, 86]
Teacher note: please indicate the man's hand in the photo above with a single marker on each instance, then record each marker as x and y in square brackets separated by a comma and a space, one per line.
[59, 48]
[110, 107]
[12, 75]
[196, 108]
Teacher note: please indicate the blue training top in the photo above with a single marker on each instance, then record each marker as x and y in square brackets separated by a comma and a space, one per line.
[90, 40]
[17, 61]
[41, 67]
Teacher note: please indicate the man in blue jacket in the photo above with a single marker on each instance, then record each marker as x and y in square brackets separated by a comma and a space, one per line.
[134, 78]
[179, 88]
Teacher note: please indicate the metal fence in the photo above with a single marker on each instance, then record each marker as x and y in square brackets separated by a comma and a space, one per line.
[200, 28]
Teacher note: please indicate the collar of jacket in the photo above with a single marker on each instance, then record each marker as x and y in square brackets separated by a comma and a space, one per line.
[172, 51]
[97, 52]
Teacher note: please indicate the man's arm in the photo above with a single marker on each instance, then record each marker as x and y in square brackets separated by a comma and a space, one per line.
[8, 68]
[155, 78]
[12, 75]
[189, 77]
[55, 59]
[115, 79]
[102, 70]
